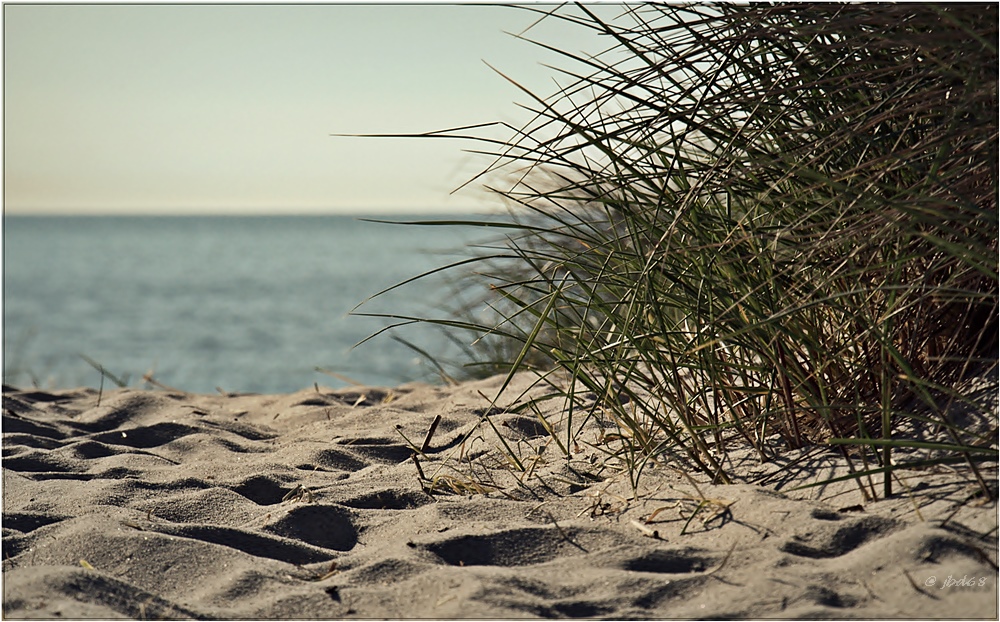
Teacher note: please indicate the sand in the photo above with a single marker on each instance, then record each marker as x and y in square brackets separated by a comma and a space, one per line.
[162, 504]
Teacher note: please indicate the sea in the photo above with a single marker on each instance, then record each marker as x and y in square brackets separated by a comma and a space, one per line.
[256, 304]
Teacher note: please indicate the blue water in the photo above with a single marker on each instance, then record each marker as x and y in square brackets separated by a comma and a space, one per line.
[242, 303]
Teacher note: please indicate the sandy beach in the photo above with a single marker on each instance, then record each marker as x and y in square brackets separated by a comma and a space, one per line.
[741, 260]
[159, 504]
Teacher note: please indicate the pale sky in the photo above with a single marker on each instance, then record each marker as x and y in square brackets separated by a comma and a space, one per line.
[229, 108]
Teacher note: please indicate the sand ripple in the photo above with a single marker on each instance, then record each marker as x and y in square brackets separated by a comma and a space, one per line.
[148, 504]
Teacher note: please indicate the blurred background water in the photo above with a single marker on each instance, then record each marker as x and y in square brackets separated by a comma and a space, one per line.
[249, 304]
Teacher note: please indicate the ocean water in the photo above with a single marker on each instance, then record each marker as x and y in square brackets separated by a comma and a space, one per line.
[250, 304]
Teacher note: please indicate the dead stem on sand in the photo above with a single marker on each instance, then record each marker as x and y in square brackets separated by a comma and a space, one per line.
[298, 494]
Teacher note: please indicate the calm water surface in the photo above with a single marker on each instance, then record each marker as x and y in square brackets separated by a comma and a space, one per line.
[241, 303]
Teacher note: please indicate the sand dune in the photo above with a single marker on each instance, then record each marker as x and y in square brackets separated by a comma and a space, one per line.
[159, 504]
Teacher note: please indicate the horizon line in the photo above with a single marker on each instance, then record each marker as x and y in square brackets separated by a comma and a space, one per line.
[213, 212]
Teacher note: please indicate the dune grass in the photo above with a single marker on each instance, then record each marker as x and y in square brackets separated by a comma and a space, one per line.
[741, 224]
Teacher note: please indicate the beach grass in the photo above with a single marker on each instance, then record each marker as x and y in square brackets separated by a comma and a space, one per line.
[757, 225]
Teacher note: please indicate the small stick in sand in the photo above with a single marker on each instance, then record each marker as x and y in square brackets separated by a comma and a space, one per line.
[723, 562]
[563, 533]
[420, 471]
[646, 531]
[329, 573]
[430, 433]
[148, 377]
[917, 587]
[299, 493]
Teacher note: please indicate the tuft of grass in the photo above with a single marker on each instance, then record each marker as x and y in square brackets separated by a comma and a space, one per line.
[742, 221]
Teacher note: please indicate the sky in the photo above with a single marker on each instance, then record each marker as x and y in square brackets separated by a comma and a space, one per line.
[217, 109]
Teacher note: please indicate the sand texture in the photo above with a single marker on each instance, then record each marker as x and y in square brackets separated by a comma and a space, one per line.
[161, 504]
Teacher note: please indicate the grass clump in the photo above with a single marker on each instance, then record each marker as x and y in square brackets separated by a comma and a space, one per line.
[747, 221]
